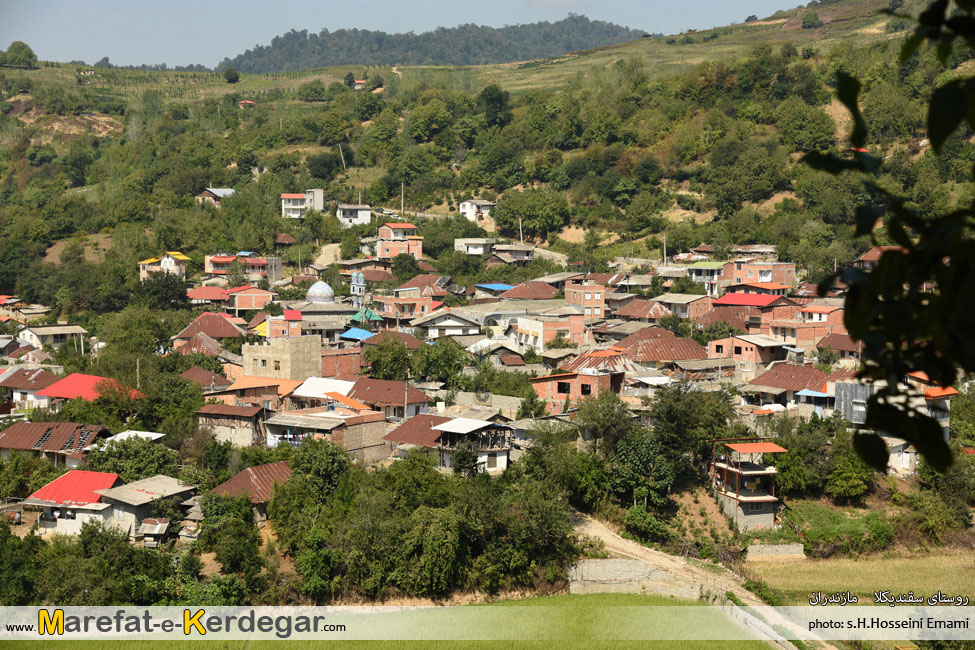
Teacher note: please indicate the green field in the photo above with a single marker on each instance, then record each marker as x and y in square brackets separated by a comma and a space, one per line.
[926, 575]
[574, 614]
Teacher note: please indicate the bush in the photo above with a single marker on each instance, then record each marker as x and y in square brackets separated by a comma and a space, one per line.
[644, 526]
[810, 20]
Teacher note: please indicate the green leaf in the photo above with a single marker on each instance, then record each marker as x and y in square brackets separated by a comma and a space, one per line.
[947, 110]
[848, 91]
[830, 163]
[871, 448]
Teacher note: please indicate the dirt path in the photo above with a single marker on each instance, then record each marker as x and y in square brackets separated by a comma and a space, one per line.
[720, 581]
[330, 254]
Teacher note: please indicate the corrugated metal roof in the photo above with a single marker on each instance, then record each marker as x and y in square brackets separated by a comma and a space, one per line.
[418, 430]
[76, 487]
[462, 425]
[755, 447]
[256, 483]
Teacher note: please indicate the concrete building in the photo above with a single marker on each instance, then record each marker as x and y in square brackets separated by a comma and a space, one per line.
[241, 426]
[133, 502]
[294, 206]
[353, 214]
[172, 262]
[474, 245]
[476, 209]
[295, 357]
[53, 335]
[253, 265]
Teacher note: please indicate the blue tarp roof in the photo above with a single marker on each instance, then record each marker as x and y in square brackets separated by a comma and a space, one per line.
[357, 334]
[805, 392]
[495, 286]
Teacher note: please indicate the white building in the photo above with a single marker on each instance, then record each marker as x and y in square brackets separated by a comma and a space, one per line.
[445, 322]
[353, 214]
[476, 209]
[294, 206]
[53, 335]
[474, 245]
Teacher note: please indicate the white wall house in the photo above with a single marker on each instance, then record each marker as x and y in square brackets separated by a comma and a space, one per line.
[447, 323]
[474, 245]
[353, 214]
[476, 209]
[294, 206]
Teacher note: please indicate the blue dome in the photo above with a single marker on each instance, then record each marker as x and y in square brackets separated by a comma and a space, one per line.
[320, 292]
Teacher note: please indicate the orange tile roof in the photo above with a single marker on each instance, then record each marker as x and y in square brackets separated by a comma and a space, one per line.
[285, 386]
[348, 401]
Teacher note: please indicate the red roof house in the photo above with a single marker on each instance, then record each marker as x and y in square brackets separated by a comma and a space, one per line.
[256, 483]
[531, 290]
[76, 487]
[86, 387]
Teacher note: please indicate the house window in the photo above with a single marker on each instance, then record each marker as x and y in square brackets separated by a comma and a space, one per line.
[756, 507]
[277, 365]
[737, 349]
[585, 389]
[562, 387]
[719, 349]
[588, 296]
[492, 460]
[751, 274]
[264, 363]
[596, 310]
[738, 266]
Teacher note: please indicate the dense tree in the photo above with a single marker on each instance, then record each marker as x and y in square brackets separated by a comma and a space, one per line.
[442, 361]
[19, 55]
[684, 420]
[605, 419]
[231, 75]
[531, 212]
[132, 459]
[388, 360]
[640, 468]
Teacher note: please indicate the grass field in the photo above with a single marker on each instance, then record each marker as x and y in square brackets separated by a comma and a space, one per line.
[925, 575]
[573, 612]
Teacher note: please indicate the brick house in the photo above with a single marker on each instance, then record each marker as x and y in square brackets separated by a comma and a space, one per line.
[253, 265]
[685, 305]
[591, 298]
[556, 390]
[399, 239]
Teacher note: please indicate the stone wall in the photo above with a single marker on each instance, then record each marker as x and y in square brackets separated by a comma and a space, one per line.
[629, 577]
[760, 552]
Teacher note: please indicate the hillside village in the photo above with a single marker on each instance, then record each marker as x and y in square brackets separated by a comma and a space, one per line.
[408, 335]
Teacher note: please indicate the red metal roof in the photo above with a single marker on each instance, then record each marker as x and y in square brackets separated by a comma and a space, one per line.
[666, 349]
[256, 483]
[211, 324]
[86, 387]
[223, 259]
[648, 333]
[418, 430]
[746, 300]
[292, 314]
[204, 377]
[874, 254]
[29, 379]
[384, 392]
[76, 487]
[819, 309]
[640, 309]
[937, 392]
[400, 225]
[65, 437]
[789, 377]
[292, 196]
[755, 447]
[531, 290]
[213, 294]
[230, 411]
[838, 343]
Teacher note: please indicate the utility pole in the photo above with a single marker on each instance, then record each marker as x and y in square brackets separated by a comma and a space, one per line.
[402, 196]
[665, 247]
[521, 234]
[138, 381]
[342, 155]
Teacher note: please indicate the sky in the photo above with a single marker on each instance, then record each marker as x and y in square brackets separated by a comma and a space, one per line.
[183, 32]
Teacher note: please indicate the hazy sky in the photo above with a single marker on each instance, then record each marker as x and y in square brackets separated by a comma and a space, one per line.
[181, 32]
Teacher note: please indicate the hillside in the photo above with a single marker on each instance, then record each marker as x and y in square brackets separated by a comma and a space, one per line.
[462, 45]
[694, 137]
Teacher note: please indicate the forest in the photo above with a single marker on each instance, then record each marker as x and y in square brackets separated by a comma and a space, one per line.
[462, 45]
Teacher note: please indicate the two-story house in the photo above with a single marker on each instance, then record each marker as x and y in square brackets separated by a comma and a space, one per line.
[169, 262]
[561, 390]
[253, 265]
[294, 206]
[399, 239]
[591, 298]
[53, 335]
[474, 245]
[685, 305]
[353, 214]
[476, 209]
[711, 275]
